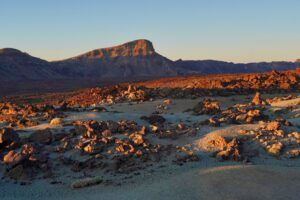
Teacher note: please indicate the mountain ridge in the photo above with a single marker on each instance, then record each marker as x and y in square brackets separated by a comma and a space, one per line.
[136, 58]
[141, 47]
[10, 51]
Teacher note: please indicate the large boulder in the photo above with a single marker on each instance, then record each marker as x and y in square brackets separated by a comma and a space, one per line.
[41, 136]
[25, 163]
[13, 158]
[8, 138]
[257, 100]
[14, 162]
[207, 107]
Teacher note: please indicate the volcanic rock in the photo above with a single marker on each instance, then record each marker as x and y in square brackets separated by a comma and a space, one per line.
[207, 107]
[275, 149]
[86, 182]
[154, 119]
[273, 126]
[8, 138]
[56, 121]
[137, 138]
[13, 158]
[257, 100]
[293, 153]
[232, 151]
[41, 136]
[93, 148]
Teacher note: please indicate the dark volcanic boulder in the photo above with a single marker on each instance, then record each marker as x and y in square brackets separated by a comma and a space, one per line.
[154, 119]
[41, 136]
[8, 138]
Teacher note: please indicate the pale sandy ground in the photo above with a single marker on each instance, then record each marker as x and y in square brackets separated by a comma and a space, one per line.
[266, 178]
[223, 182]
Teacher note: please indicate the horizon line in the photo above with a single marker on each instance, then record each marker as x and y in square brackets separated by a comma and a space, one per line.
[174, 60]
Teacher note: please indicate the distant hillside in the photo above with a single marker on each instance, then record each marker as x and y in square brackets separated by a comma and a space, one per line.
[131, 60]
[220, 67]
[16, 65]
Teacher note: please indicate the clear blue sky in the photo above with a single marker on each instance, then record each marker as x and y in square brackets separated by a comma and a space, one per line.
[230, 30]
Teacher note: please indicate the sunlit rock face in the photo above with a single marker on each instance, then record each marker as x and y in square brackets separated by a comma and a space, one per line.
[133, 59]
[134, 48]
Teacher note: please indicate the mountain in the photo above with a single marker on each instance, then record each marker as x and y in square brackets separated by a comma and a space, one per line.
[130, 49]
[133, 59]
[17, 65]
[220, 67]
[129, 61]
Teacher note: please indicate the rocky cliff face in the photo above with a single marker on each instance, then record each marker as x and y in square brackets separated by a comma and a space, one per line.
[130, 49]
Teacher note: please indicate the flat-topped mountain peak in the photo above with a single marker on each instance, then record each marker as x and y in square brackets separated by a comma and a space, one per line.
[134, 48]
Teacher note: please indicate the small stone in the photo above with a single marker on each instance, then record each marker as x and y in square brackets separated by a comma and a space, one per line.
[154, 128]
[56, 121]
[295, 135]
[257, 100]
[279, 133]
[213, 121]
[106, 133]
[294, 153]
[275, 149]
[136, 138]
[86, 182]
[272, 126]
[254, 113]
[93, 149]
[13, 158]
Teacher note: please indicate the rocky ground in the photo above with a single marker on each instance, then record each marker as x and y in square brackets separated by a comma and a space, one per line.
[132, 142]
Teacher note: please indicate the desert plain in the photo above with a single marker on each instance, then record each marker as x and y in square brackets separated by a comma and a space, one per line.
[199, 138]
